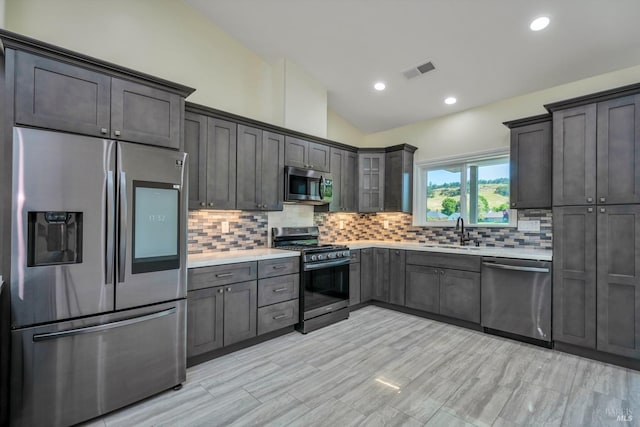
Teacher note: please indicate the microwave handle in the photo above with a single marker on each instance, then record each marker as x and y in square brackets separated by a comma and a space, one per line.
[321, 188]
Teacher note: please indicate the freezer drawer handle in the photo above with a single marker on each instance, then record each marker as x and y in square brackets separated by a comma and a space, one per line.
[516, 268]
[100, 328]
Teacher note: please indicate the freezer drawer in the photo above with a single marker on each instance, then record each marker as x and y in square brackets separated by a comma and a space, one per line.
[68, 372]
[516, 297]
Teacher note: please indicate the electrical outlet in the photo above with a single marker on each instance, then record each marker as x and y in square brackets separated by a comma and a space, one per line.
[385, 224]
[341, 225]
[225, 226]
[533, 226]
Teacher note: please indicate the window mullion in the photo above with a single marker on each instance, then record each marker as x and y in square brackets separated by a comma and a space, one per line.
[473, 194]
[463, 190]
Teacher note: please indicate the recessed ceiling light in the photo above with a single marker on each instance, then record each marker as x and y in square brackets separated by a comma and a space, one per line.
[379, 86]
[539, 23]
[450, 100]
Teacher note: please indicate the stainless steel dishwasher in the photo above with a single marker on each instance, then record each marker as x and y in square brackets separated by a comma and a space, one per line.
[516, 297]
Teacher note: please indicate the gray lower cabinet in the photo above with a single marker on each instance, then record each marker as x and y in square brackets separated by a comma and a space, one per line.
[221, 164]
[618, 280]
[397, 273]
[530, 175]
[354, 283]
[574, 156]
[240, 308]
[574, 275]
[260, 169]
[195, 136]
[380, 285]
[307, 154]
[371, 182]
[205, 308]
[366, 274]
[278, 316]
[422, 288]
[460, 294]
[278, 289]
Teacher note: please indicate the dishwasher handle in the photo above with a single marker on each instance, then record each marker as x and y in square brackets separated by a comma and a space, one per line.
[516, 267]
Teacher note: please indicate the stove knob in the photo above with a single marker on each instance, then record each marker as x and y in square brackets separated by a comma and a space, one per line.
[314, 258]
[320, 257]
[339, 254]
[332, 255]
[345, 253]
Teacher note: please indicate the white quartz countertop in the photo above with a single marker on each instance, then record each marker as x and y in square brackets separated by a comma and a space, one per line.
[516, 253]
[230, 257]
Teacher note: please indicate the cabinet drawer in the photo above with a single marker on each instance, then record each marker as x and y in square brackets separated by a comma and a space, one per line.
[278, 316]
[206, 277]
[355, 256]
[435, 259]
[278, 289]
[278, 267]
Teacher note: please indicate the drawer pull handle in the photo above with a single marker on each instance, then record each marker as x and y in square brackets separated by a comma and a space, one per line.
[280, 290]
[224, 275]
[279, 267]
[279, 316]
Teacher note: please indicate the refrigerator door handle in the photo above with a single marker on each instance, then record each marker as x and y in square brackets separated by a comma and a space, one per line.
[101, 328]
[110, 229]
[123, 227]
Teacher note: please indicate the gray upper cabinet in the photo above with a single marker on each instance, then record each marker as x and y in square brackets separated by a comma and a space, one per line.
[371, 182]
[398, 178]
[460, 295]
[380, 285]
[272, 168]
[60, 96]
[56, 95]
[422, 288]
[240, 310]
[397, 272]
[221, 164]
[618, 143]
[205, 318]
[344, 173]
[574, 156]
[144, 114]
[618, 280]
[574, 275]
[531, 146]
[306, 154]
[195, 136]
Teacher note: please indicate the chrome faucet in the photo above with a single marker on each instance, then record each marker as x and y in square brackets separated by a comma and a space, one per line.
[460, 226]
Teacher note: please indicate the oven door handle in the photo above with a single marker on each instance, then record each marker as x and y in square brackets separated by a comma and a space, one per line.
[336, 263]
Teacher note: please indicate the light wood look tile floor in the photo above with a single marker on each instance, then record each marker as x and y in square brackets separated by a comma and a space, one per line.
[384, 368]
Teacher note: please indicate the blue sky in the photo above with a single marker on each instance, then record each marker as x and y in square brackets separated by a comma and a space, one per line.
[486, 172]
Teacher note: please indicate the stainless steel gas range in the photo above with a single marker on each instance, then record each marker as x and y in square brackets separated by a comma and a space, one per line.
[324, 281]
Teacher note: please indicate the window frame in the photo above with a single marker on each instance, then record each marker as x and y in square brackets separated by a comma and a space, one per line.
[463, 162]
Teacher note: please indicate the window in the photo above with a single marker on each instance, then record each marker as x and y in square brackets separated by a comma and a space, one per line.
[476, 188]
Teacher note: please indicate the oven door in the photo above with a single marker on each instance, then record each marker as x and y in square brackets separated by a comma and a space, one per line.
[326, 288]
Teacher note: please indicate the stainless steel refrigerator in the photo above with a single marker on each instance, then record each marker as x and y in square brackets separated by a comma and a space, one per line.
[98, 275]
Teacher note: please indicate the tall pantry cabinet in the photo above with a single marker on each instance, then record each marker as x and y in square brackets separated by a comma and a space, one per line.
[596, 212]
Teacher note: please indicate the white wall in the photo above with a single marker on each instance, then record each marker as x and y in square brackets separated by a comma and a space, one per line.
[340, 130]
[481, 129]
[305, 101]
[2, 8]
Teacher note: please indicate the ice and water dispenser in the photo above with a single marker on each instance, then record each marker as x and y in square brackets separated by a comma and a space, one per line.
[54, 238]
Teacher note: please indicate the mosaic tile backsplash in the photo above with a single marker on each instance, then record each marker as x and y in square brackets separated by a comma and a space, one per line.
[370, 227]
[247, 230]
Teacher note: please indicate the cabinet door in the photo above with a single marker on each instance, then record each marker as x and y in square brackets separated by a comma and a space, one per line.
[272, 171]
[397, 267]
[249, 169]
[319, 157]
[337, 167]
[366, 274]
[574, 156]
[422, 288]
[619, 280]
[460, 295]
[204, 320]
[221, 164]
[619, 151]
[296, 152]
[354, 284]
[371, 182]
[349, 180]
[56, 95]
[240, 309]
[144, 114]
[574, 275]
[531, 166]
[381, 274]
[195, 144]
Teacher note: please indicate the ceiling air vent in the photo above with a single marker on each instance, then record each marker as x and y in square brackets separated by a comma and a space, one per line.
[419, 70]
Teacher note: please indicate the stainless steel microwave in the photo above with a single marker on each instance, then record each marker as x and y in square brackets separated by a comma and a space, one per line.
[307, 186]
